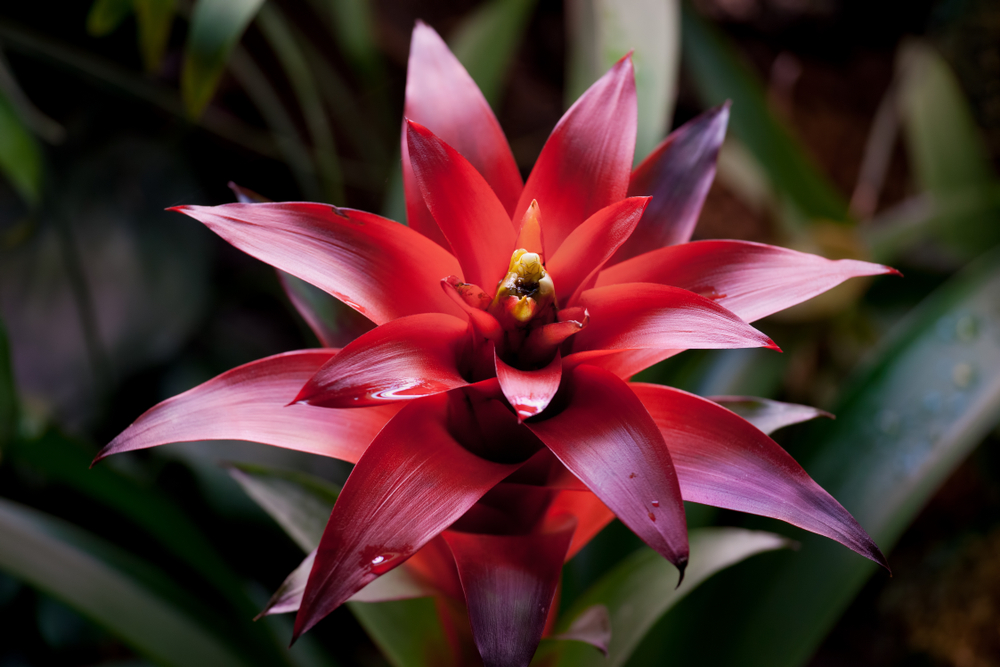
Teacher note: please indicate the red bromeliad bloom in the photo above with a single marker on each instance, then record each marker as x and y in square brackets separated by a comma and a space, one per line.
[489, 413]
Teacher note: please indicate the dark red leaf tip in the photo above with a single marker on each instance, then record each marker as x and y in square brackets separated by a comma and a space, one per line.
[771, 345]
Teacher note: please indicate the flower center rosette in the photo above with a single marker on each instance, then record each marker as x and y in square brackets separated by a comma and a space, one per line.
[489, 413]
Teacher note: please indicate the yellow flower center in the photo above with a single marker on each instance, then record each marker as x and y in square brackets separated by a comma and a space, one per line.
[526, 290]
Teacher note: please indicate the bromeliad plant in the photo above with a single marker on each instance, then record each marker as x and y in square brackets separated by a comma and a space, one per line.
[489, 412]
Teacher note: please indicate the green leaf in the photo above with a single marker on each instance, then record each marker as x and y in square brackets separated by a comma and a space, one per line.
[20, 154]
[718, 74]
[910, 419]
[640, 589]
[947, 150]
[286, 45]
[353, 25]
[948, 154]
[298, 502]
[602, 31]
[154, 18]
[216, 27]
[487, 39]
[408, 632]
[62, 460]
[106, 15]
[8, 394]
[74, 567]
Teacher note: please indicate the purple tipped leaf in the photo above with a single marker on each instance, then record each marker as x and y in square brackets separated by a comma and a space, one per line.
[592, 626]
[606, 438]
[752, 280]
[251, 403]
[724, 461]
[678, 174]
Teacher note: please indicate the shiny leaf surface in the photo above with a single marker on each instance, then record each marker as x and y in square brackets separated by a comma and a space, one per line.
[723, 461]
[642, 315]
[752, 280]
[677, 174]
[251, 403]
[606, 438]
[378, 267]
[467, 211]
[586, 162]
[408, 358]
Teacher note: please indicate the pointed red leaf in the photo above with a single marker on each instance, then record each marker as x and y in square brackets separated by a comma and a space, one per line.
[465, 208]
[441, 96]
[413, 481]
[678, 174]
[249, 403]
[586, 163]
[590, 245]
[751, 279]
[529, 392]
[509, 583]
[404, 359]
[724, 461]
[606, 438]
[381, 268]
[768, 415]
[642, 315]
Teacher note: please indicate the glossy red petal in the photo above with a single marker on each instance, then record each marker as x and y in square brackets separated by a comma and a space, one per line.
[249, 403]
[413, 481]
[751, 279]
[441, 96]
[586, 163]
[607, 439]
[724, 461]
[678, 174]
[590, 245]
[404, 359]
[529, 392]
[381, 268]
[768, 415]
[642, 315]
[509, 583]
[465, 208]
